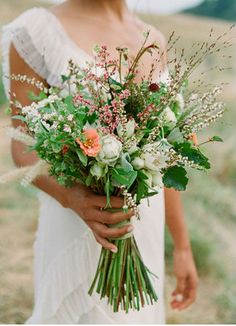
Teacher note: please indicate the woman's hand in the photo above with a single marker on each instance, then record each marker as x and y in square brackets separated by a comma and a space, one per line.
[89, 207]
[187, 279]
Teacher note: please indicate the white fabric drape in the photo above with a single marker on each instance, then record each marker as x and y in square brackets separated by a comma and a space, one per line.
[65, 251]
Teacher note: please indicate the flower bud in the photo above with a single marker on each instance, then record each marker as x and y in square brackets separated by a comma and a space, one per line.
[97, 170]
[138, 163]
[154, 87]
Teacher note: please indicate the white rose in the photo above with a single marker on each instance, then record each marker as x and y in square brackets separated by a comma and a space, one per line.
[169, 117]
[126, 131]
[154, 161]
[110, 150]
[97, 170]
[138, 163]
[157, 180]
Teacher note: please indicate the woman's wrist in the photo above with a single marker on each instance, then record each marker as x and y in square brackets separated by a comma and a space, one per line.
[182, 245]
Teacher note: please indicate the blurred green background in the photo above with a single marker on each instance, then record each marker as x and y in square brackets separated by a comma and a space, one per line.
[210, 203]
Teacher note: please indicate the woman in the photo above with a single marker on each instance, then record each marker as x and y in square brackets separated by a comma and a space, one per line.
[39, 44]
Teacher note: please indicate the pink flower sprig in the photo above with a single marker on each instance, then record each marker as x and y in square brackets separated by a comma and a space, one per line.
[145, 114]
[79, 99]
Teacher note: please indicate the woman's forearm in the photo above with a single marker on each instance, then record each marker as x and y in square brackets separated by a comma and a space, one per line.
[45, 183]
[175, 219]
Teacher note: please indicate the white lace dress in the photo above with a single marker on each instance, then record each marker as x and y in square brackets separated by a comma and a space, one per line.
[65, 250]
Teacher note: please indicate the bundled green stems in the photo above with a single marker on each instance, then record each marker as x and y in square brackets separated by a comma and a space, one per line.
[123, 278]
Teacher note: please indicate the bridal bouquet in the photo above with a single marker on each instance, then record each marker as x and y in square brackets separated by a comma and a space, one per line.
[120, 137]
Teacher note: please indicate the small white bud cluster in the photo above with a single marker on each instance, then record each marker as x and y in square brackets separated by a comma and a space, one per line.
[130, 202]
[30, 81]
[205, 110]
[203, 124]
[153, 134]
[174, 158]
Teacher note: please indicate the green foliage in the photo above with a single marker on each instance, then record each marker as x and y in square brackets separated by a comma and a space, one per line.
[193, 154]
[3, 98]
[33, 97]
[175, 177]
[223, 9]
[216, 139]
[82, 157]
[18, 117]
[123, 176]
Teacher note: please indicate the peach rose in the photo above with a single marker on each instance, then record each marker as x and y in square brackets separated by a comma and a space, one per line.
[90, 146]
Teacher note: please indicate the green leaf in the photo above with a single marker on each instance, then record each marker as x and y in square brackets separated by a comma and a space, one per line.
[125, 162]
[88, 180]
[69, 102]
[216, 138]
[193, 154]
[35, 98]
[107, 192]
[142, 175]
[124, 177]
[56, 147]
[141, 191]
[7, 110]
[175, 136]
[65, 78]
[18, 117]
[175, 177]
[82, 157]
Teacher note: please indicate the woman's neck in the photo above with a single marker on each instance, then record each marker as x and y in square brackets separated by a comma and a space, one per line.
[105, 9]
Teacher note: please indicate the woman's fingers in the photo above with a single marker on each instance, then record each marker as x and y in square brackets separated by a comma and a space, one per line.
[185, 293]
[190, 292]
[189, 299]
[101, 201]
[105, 243]
[178, 294]
[107, 217]
[118, 217]
[102, 233]
[105, 232]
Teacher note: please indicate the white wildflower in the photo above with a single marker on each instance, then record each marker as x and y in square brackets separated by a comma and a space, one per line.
[154, 159]
[45, 124]
[67, 128]
[70, 117]
[54, 125]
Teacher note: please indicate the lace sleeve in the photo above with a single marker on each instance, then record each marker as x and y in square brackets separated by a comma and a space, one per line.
[37, 42]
